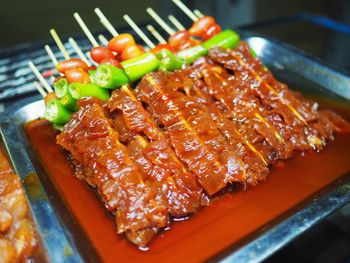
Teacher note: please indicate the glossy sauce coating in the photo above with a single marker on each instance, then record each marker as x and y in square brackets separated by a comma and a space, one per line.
[17, 234]
[225, 222]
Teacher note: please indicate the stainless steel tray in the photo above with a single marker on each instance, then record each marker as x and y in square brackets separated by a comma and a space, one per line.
[64, 241]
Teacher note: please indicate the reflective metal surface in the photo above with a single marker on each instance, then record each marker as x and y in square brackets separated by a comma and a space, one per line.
[61, 235]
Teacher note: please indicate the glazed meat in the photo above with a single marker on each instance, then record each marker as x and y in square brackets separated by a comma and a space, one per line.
[192, 133]
[137, 204]
[179, 139]
[17, 234]
[151, 150]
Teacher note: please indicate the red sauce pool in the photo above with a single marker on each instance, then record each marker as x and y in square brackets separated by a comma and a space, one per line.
[227, 221]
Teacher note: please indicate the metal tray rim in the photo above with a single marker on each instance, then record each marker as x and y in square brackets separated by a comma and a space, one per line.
[271, 239]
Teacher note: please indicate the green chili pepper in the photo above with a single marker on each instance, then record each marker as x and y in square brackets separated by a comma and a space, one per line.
[109, 77]
[253, 52]
[227, 39]
[61, 87]
[189, 55]
[92, 74]
[58, 126]
[69, 102]
[55, 112]
[168, 60]
[78, 90]
[139, 66]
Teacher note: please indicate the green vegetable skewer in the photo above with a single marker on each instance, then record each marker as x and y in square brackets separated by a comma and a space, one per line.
[109, 77]
[227, 39]
[69, 102]
[78, 90]
[61, 87]
[137, 67]
[189, 55]
[55, 112]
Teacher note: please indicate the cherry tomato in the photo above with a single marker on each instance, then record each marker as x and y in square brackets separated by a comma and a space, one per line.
[111, 61]
[160, 47]
[77, 75]
[211, 31]
[49, 97]
[71, 64]
[120, 42]
[179, 39]
[100, 53]
[131, 52]
[201, 25]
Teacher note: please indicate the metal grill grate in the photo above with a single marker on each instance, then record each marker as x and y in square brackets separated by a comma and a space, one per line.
[16, 78]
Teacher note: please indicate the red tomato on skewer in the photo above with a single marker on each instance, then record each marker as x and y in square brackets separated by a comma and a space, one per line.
[77, 75]
[120, 42]
[71, 63]
[100, 53]
[131, 52]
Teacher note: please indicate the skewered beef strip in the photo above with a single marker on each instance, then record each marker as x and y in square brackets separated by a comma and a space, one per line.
[192, 133]
[256, 167]
[139, 207]
[147, 151]
[275, 98]
[155, 157]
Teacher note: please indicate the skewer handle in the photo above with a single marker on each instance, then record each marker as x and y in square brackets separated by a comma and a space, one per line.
[40, 89]
[198, 13]
[40, 77]
[176, 23]
[51, 55]
[59, 44]
[160, 21]
[77, 50]
[103, 40]
[156, 34]
[105, 22]
[138, 31]
[85, 29]
[186, 10]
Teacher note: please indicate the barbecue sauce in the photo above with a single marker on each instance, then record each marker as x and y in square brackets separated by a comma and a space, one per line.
[228, 220]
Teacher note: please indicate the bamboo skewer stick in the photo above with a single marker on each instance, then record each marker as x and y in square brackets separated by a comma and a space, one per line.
[105, 22]
[86, 30]
[39, 76]
[186, 10]
[51, 55]
[198, 13]
[160, 21]
[176, 23]
[40, 89]
[156, 34]
[59, 44]
[77, 50]
[102, 40]
[138, 31]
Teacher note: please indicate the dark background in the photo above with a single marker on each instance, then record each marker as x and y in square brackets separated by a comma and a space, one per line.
[30, 21]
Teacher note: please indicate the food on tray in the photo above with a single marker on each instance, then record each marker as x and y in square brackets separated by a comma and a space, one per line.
[159, 134]
[17, 234]
[163, 149]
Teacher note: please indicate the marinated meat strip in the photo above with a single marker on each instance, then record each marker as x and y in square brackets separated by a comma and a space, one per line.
[17, 234]
[192, 133]
[255, 164]
[140, 209]
[178, 138]
[280, 103]
[154, 154]
[244, 108]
